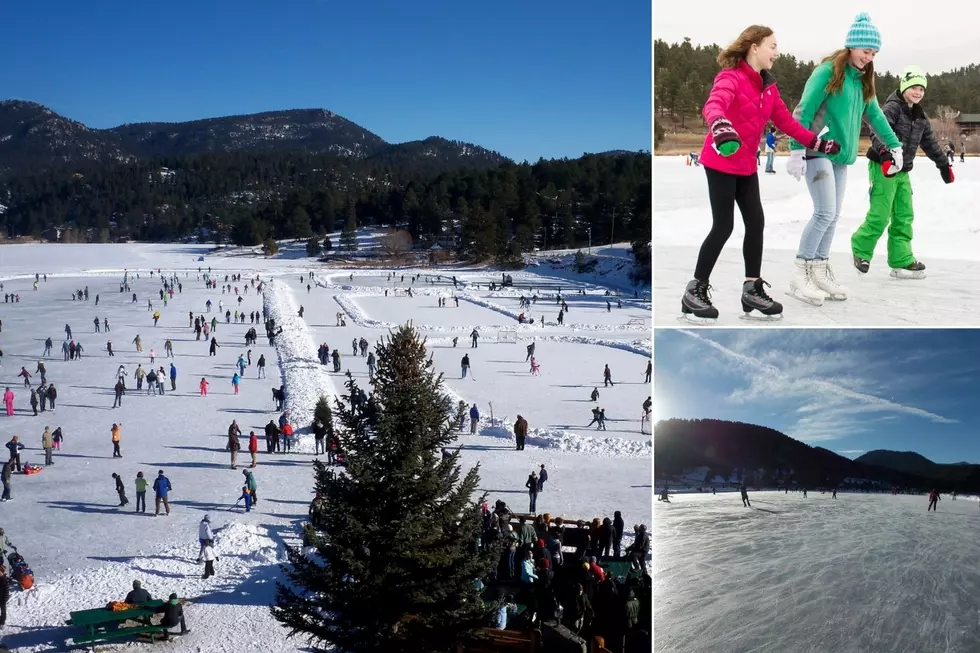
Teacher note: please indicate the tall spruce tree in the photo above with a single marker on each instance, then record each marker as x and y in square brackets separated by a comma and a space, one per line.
[396, 563]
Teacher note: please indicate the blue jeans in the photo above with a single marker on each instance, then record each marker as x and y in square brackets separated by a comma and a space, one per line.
[827, 182]
[770, 155]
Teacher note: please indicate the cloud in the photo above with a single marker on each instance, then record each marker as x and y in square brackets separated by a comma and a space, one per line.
[850, 453]
[824, 389]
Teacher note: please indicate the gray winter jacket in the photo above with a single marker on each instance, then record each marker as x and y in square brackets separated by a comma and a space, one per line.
[912, 127]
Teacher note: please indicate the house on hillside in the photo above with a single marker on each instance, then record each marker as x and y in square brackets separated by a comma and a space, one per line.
[969, 123]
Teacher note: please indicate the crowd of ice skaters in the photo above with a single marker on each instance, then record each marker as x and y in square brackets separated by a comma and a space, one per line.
[596, 603]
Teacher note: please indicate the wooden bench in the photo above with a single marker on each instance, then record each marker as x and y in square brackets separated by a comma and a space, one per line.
[491, 640]
[102, 625]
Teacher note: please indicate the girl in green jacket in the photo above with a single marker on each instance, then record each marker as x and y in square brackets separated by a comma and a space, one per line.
[839, 95]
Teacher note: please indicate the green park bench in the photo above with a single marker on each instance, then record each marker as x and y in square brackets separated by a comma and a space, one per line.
[103, 625]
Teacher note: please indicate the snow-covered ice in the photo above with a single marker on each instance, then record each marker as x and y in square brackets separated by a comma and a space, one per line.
[85, 550]
[947, 240]
[865, 572]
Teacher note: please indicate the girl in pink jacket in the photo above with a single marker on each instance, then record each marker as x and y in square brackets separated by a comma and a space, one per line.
[743, 99]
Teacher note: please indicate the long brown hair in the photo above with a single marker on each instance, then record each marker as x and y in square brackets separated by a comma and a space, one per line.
[842, 59]
[739, 48]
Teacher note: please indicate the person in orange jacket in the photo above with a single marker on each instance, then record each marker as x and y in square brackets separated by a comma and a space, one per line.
[116, 436]
[287, 434]
[204, 387]
[253, 445]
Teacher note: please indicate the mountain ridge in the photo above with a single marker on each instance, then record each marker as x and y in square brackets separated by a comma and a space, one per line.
[33, 137]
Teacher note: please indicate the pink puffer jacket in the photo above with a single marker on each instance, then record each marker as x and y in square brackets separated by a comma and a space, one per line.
[748, 100]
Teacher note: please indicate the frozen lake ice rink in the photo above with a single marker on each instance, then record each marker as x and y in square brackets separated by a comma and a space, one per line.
[862, 574]
[946, 239]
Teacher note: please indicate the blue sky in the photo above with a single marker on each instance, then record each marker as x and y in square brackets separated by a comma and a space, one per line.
[849, 391]
[529, 79]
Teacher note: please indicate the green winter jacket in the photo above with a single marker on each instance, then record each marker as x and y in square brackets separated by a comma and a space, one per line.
[842, 113]
[141, 485]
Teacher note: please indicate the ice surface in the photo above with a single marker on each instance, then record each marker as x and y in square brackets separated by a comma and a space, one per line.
[86, 551]
[867, 572]
[947, 240]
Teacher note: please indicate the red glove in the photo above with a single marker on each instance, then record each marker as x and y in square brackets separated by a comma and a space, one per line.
[947, 173]
[824, 146]
[888, 164]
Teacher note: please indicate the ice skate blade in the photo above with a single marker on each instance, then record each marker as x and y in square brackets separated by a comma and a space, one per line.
[778, 317]
[837, 298]
[805, 300]
[906, 275]
[690, 318]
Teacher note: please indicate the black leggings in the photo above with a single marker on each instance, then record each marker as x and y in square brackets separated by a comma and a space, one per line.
[724, 192]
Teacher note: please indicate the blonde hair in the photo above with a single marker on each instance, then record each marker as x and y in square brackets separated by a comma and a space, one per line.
[841, 60]
[739, 48]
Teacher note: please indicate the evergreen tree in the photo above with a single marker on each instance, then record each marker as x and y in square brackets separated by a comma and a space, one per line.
[348, 237]
[322, 419]
[395, 568]
[312, 247]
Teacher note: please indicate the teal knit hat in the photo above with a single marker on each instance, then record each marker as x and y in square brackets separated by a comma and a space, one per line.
[911, 76]
[863, 34]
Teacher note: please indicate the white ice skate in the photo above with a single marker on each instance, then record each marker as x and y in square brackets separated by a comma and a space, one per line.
[823, 277]
[914, 270]
[802, 287]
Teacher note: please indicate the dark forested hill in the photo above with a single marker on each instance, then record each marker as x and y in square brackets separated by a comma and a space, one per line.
[724, 447]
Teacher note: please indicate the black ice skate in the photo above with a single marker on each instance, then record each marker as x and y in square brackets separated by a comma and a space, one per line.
[696, 305]
[754, 298]
[914, 270]
[862, 265]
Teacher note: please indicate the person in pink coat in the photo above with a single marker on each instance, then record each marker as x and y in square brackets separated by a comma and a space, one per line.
[743, 99]
[204, 387]
[8, 401]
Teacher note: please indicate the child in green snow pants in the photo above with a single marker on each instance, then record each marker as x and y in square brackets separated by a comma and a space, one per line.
[891, 207]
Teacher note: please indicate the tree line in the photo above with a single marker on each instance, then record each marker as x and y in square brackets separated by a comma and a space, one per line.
[684, 73]
[248, 197]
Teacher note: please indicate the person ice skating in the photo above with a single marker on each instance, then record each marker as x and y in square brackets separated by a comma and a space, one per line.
[474, 419]
[530, 352]
[57, 437]
[745, 496]
[520, 432]
[247, 497]
[212, 349]
[119, 388]
[834, 495]
[235, 380]
[532, 492]
[116, 438]
[140, 492]
[371, 365]
[933, 500]
[139, 375]
[542, 477]
[252, 486]
[233, 445]
[14, 447]
[209, 558]
[743, 98]
[204, 535]
[138, 343]
[173, 377]
[34, 401]
[253, 447]
[8, 401]
[161, 488]
[535, 367]
[595, 394]
[27, 376]
[465, 364]
[839, 94]
[649, 372]
[42, 371]
[474, 337]
[204, 387]
[120, 489]
[607, 377]
[48, 445]
[891, 194]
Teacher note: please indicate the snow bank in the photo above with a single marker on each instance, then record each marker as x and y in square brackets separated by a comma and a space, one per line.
[306, 380]
[246, 571]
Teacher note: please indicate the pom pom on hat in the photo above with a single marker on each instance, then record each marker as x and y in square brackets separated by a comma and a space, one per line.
[911, 76]
[863, 34]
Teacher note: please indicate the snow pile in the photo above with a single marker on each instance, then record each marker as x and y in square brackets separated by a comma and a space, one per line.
[561, 440]
[306, 380]
[246, 570]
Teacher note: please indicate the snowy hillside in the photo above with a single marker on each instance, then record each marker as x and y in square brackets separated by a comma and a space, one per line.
[86, 551]
[947, 240]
